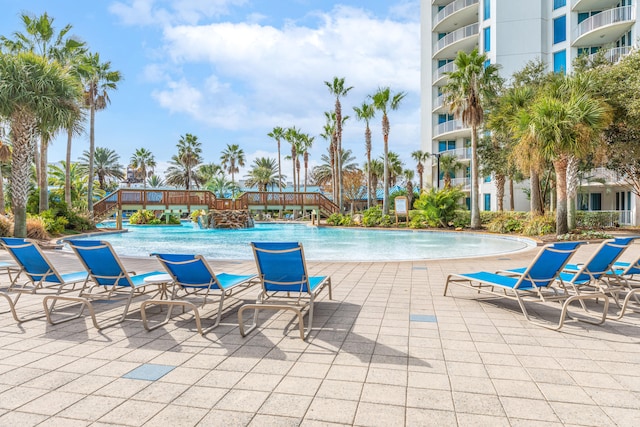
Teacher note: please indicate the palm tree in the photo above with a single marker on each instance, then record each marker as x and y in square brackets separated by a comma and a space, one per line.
[395, 167]
[278, 134]
[338, 89]
[469, 87]
[263, 173]
[190, 156]
[79, 177]
[180, 173]
[5, 155]
[154, 181]
[220, 186]
[329, 135]
[365, 113]
[232, 159]
[384, 101]
[322, 174]
[306, 144]
[34, 90]
[141, 161]
[292, 135]
[420, 157]
[208, 171]
[449, 164]
[106, 165]
[98, 79]
[40, 37]
[376, 169]
[566, 120]
[408, 175]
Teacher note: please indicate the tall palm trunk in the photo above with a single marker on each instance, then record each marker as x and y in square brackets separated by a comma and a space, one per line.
[293, 159]
[500, 181]
[67, 170]
[475, 205]
[92, 149]
[560, 166]
[334, 176]
[3, 209]
[279, 168]
[536, 199]
[572, 191]
[42, 178]
[385, 134]
[512, 201]
[24, 125]
[367, 137]
[339, 152]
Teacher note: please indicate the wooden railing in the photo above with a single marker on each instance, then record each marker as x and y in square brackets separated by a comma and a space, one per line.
[168, 199]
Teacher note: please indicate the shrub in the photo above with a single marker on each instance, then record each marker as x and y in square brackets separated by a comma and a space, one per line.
[372, 217]
[417, 219]
[142, 216]
[6, 225]
[54, 224]
[439, 206]
[461, 219]
[334, 219]
[539, 225]
[507, 222]
[599, 220]
[585, 235]
[36, 228]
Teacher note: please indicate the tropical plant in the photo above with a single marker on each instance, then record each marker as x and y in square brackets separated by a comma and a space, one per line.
[220, 186]
[33, 91]
[323, 173]
[78, 183]
[384, 101]
[98, 79]
[466, 93]
[142, 216]
[292, 136]
[420, 157]
[141, 161]
[40, 37]
[449, 164]
[5, 156]
[439, 206]
[190, 157]
[154, 181]
[232, 159]
[263, 173]
[337, 88]
[208, 171]
[278, 134]
[365, 113]
[376, 169]
[106, 165]
[180, 173]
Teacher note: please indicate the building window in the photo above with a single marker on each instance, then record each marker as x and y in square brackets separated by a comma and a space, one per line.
[446, 145]
[487, 39]
[559, 3]
[596, 201]
[487, 202]
[487, 178]
[487, 9]
[560, 29]
[560, 62]
[442, 118]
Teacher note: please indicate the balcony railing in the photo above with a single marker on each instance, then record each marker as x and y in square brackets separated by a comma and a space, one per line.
[456, 36]
[612, 55]
[459, 153]
[446, 68]
[464, 182]
[607, 17]
[448, 126]
[452, 8]
[438, 102]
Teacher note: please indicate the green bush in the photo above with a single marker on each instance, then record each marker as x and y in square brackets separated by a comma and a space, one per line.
[142, 216]
[53, 223]
[507, 222]
[539, 225]
[462, 219]
[439, 206]
[334, 219]
[417, 219]
[372, 217]
[585, 235]
[599, 220]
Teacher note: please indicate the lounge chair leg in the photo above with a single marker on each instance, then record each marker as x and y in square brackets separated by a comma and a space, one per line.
[12, 307]
[85, 304]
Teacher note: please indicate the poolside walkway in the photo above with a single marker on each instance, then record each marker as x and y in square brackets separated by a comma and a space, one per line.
[389, 350]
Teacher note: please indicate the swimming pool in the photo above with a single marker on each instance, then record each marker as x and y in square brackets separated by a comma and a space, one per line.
[320, 243]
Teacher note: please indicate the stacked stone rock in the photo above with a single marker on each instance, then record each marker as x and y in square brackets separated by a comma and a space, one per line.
[229, 219]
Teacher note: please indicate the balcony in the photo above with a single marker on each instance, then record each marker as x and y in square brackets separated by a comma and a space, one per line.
[441, 72]
[456, 15]
[465, 38]
[459, 153]
[438, 105]
[612, 55]
[451, 129]
[587, 5]
[605, 27]
[464, 182]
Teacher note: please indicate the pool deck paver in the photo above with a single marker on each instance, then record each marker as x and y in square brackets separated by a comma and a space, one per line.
[389, 349]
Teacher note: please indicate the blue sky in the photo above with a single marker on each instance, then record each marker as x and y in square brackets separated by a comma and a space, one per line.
[228, 71]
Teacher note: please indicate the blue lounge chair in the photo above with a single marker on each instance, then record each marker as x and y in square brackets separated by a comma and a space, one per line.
[627, 275]
[535, 282]
[110, 281]
[192, 275]
[283, 273]
[40, 275]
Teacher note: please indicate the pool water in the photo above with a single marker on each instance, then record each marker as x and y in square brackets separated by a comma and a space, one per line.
[320, 243]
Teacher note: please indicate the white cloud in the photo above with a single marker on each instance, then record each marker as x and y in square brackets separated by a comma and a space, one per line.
[170, 12]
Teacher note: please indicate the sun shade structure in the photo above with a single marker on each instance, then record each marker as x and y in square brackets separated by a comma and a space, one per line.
[286, 284]
[108, 280]
[539, 282]
[192, 276]
[35, 273]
